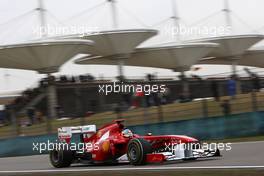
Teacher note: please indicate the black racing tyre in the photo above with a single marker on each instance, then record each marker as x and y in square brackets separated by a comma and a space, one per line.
[137, 151]
[217, 153]
[189, 159]
[61, 158]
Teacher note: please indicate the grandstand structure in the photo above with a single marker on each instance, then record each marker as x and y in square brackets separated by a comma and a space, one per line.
[196, 109]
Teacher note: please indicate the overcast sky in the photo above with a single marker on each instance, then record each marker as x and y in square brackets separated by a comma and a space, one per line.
[246, 18]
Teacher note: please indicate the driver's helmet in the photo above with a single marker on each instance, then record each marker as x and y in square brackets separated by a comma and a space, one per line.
[127, 133]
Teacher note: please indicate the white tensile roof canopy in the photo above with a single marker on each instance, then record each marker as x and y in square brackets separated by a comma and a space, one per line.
[178, 58]
[110, 46]
[238, 49]
[253, 58]
[233, 49]
[41, 56]
[118, 42]
[231, 45]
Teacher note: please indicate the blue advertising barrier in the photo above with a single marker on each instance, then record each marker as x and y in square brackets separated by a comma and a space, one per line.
[247, 124]
[23, 146]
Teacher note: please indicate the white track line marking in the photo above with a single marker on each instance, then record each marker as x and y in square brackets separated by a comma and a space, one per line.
[133, 168]
[248, 142]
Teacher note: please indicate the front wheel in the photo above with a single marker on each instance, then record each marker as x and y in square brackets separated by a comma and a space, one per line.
[217, 152]
[61, 158]
[137, 151]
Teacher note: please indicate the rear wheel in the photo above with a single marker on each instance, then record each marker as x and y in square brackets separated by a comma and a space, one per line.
[61, 158]
[137, 151]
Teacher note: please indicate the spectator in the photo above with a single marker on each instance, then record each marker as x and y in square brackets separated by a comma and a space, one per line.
[39, 116]
[59, 111]
[7, 114]
[31, 115]
[90, 77]
[149, 100]
[149, 77]
[2, 117]
[164, 96]
[63, 79]
[138, 98]
[127, 99]
[86, 78]
[196, 77]
[156, 98]
[231, 86]
[73, 79]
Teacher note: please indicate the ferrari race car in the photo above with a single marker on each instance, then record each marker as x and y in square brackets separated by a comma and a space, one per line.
[114, 143]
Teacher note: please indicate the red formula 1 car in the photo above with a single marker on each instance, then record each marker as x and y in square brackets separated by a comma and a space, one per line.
[114, 143]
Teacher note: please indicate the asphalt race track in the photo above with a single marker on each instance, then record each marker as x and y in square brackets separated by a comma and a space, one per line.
[242, 155]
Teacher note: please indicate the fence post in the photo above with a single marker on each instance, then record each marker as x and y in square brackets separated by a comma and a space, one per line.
[118, 112]
[52, 101]
[82, 120]
[254, 101]
[119, 115]
[79, 110]
[51, 96]
[160, 113]
[205, 108]
[15, 122]
[145, 115]
[101, 99]
[49, 125]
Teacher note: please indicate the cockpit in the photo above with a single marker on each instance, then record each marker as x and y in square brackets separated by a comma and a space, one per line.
[127, 133]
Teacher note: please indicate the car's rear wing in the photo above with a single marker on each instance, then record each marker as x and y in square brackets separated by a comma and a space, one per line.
[66, 132]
